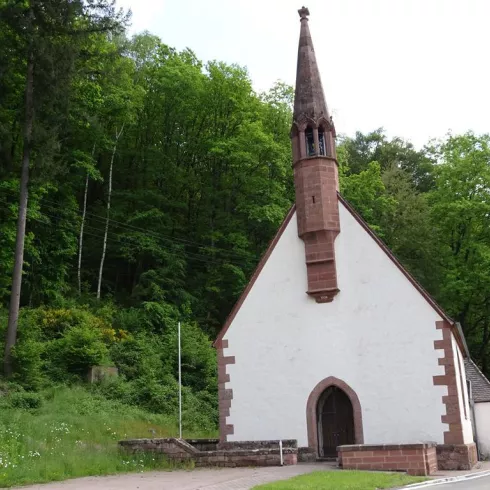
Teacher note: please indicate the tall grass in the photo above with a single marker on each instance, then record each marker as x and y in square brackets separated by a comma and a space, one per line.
[73, 434]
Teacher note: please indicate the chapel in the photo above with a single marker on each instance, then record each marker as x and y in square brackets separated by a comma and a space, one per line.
[333, 343]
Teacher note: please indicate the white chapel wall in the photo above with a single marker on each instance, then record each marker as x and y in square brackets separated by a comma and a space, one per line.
[462, 393]
[377, 335]
[482, 420]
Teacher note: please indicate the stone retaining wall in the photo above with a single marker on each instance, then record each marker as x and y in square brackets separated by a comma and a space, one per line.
[306, 454]
[204, 444]
[270, 444]
[456, 456]
[248, 453]
[415, 459]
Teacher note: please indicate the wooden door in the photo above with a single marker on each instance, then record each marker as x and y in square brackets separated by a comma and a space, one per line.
[335, 421]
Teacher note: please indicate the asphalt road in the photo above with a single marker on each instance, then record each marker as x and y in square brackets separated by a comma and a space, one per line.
[472, 484]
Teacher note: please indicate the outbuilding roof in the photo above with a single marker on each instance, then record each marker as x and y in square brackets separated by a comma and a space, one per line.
[480, 386]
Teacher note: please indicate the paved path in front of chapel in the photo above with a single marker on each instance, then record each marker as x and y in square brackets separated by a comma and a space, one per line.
[200, 479]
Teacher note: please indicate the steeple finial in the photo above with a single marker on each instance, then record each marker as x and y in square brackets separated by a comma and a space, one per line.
[303, 13]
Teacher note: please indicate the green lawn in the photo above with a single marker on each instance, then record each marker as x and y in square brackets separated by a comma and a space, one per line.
[75, 434]
[342, 480]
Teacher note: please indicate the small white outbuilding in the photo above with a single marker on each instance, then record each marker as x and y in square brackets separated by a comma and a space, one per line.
[479, 389]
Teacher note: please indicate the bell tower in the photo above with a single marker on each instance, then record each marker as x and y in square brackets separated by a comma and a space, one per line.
[315, 171]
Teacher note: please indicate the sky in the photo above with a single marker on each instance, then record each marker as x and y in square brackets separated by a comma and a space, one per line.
[417, 68]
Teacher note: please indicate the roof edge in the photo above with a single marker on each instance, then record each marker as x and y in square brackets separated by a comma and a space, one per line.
[456, 328]
[263, 260]
[482, 376]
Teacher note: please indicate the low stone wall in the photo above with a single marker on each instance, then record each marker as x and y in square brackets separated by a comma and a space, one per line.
[456, 456]
[306, 454]
[175, 449]
[248, 453]
[247, 457]
[270, 444]
[415, 459]
[204, 444]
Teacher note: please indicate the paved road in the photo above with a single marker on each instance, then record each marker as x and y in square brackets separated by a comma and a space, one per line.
[472, 484]
[203, 479]
[219, 479]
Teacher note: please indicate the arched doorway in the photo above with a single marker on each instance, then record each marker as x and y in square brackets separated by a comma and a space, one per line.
[317, 399]
[335, 420]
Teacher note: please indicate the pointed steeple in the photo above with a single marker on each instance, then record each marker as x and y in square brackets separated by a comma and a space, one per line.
[309, 98]
[316, 177]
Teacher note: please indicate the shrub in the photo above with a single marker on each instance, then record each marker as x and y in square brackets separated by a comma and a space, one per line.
[28, 364]
[27, 401]
[139, 356]
[80, 348]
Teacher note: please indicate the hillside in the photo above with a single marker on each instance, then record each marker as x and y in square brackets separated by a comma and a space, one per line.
[70, 432]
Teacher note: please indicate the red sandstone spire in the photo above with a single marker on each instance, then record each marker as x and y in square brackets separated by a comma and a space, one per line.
[315, 172]
[309, 99]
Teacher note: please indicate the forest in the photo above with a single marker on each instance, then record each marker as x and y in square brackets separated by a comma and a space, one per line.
[152, 182]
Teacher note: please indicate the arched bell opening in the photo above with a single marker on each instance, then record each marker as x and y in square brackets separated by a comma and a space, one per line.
[322, 141]
[310, 142]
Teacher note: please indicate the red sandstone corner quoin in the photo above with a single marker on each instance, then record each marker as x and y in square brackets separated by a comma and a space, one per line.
[311, 410]
[225, 395]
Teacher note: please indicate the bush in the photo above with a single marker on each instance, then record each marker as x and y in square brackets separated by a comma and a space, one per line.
[27, 401]
[28, 364]
[80, 348]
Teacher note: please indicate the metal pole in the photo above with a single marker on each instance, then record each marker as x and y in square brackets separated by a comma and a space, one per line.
[180, 387]
[280, 451]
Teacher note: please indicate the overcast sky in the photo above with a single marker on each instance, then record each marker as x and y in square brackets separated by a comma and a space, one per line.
[418, 68]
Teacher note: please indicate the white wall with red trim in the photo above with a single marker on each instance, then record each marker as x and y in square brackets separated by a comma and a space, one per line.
[377, 336]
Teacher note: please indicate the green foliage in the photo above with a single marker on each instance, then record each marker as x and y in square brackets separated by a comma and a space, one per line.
[25, 401]
[79, 349]
[367, 193]
[74, 434]
[28, 364]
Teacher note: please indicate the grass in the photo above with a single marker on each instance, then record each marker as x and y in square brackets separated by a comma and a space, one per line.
[74, 434]
[342, 480]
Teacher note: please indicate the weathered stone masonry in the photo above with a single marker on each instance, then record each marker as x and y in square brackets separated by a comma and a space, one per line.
[225, 395]
[209, 453]
[454, 454]
[415, 459]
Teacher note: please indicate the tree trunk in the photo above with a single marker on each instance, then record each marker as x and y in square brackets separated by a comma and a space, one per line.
[104, 246]
[21, 220]
[82, 226]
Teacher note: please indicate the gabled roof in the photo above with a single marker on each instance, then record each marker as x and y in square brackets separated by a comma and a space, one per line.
[457, 331]
[480, 386]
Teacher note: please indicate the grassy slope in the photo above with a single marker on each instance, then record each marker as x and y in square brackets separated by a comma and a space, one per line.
[74, 434]
[342, 480]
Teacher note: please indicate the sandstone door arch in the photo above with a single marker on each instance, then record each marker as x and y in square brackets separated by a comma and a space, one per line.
[333, 416]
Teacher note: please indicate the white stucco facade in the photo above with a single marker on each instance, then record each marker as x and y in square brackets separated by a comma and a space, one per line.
[482, 420]
[377, 336]
[463, 395]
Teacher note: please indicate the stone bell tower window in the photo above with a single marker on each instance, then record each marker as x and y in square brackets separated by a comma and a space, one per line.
[310, 142]
[321, 141]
